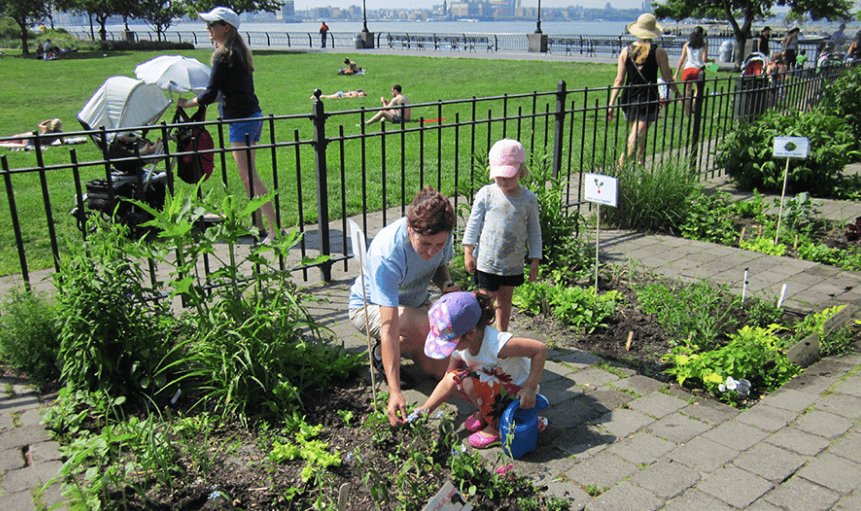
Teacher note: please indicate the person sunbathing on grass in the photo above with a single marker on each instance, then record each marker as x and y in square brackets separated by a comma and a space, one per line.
[26, 140]
[341, 94]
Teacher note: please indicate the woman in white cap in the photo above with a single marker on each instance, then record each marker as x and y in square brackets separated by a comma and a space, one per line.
[640, 63]
[232, 78]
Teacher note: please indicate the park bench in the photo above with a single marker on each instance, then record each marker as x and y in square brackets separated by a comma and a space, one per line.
[454, 42]
[393, 39]
[568, 42]
[408, 41]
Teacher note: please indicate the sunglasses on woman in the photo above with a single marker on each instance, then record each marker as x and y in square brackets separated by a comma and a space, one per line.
[215, 24]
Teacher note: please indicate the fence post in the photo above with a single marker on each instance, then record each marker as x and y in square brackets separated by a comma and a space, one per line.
[559, 129]
[320, 143]
[698, 117]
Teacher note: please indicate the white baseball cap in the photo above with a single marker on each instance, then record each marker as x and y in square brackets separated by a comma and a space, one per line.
[221, 14]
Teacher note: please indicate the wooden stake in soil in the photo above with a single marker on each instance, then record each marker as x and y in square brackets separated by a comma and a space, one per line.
[597, 241]
[782, 198]
[359, 252]
[741, 238]
[630, 338]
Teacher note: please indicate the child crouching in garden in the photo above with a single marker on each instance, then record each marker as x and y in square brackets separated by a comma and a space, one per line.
[487, 367]
[503, 221]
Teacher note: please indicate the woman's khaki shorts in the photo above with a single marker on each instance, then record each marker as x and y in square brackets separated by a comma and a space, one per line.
[357, 317]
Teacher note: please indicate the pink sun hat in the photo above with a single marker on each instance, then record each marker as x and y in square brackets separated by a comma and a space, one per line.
[506, 156]
[450, 317]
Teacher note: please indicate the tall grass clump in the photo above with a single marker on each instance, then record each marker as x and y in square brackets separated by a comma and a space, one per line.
[29, 335]
[651, 199]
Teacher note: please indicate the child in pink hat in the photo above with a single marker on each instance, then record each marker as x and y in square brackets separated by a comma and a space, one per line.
[503, 221]
[487, 367]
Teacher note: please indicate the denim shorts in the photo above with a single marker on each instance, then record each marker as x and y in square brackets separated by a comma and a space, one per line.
[253, 128]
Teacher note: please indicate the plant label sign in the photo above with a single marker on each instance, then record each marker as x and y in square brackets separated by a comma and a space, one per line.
[791, 147]
[600, 189]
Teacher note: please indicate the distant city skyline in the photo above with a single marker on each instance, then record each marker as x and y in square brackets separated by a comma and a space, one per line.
[413, 4]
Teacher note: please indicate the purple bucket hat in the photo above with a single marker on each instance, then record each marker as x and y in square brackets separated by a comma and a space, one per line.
[450, 317]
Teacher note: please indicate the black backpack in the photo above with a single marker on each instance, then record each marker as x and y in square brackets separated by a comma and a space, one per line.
[192, 167]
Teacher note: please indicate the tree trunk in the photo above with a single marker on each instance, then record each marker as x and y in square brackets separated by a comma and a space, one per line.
[740, 54]
[25, 50]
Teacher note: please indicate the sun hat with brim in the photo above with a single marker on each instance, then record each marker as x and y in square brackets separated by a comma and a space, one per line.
[450, 317]
[221, 14]
[646, 27]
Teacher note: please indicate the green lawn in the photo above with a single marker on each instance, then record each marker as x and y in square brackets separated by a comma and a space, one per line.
[34, 90]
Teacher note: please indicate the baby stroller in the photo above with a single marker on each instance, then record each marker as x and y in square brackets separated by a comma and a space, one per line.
[123, 102]
[751, 98]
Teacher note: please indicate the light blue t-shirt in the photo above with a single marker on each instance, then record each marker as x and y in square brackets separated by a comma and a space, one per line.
[397, 275]
[501, 226]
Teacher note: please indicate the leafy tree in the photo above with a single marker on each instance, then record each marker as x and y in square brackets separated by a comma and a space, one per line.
[794, 18]
[101, 10]
[26, 13]
[159, 14]
[240, 6]
[742, 13]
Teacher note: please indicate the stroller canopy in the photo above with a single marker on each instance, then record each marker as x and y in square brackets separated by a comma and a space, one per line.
[123, 102]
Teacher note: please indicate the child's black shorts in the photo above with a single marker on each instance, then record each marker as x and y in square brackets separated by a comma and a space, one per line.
[491, 282]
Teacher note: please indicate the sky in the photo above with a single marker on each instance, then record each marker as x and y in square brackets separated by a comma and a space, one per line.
[423, 4]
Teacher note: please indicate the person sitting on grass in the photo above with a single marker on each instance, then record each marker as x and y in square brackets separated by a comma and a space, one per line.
[488, 368]
[393, 114]
[351, 69]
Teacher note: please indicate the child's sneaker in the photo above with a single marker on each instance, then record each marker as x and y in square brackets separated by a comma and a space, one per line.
[542, 423]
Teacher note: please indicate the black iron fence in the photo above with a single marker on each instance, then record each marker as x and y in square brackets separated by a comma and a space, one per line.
[327, 165]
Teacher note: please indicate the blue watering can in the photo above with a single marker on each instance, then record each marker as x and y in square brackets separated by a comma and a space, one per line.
[525, 428]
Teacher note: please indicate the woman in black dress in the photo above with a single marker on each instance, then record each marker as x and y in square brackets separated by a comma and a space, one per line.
[638, 69]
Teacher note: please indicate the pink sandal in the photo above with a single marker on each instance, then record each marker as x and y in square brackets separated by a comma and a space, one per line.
[474, 422]
[481, 441]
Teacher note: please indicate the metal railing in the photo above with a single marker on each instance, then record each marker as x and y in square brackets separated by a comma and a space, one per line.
[563, 44]
[325, 170]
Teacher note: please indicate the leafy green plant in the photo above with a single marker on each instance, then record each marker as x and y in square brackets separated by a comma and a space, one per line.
[29, 335]
[746, 152]
[763, 245]
[761, 312]
[799, 212]
[651, 200]
[110, 340]
[754, 353]
[195, 432]
[709, 217]
[753, 208]
[251, 346]
[843, 98]
[580, 308]
[698, 312]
